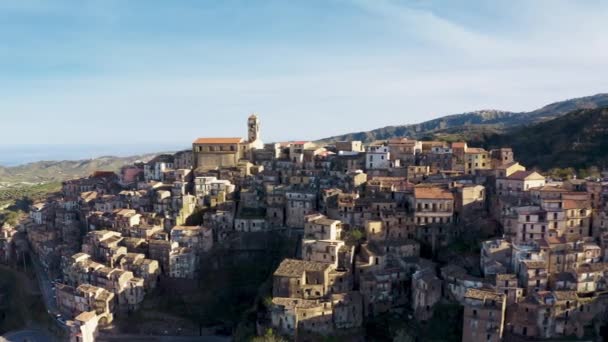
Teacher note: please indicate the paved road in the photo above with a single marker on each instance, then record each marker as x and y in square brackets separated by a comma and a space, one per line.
[46, 287]
[26, 336]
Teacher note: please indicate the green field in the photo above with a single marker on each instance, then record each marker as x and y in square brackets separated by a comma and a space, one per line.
[16, 199]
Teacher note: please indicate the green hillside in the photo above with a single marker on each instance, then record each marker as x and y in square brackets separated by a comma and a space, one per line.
[53, 171]
[578, 139]
[484, 120]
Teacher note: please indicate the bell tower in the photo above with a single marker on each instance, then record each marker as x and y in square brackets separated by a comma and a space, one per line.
[253, 129]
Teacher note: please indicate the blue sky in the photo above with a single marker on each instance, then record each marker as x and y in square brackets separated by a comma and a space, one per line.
[165, 72]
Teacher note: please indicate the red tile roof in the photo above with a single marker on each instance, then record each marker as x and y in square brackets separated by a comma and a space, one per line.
[218, 141]
[471, 150]
[432, 193]
[576, 204]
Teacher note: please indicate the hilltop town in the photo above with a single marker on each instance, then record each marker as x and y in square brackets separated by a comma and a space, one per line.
[394, 228]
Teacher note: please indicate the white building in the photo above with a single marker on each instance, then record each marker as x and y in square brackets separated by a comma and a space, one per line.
[205, 186]
[519, 182]
[379, 158]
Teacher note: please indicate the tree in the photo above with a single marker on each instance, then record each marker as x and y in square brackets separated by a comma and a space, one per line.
[403, 336]
[354, 236]
[269, 337]
[10, 217]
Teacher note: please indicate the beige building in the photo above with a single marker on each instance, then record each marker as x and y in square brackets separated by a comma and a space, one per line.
[417, 173]
[519, 182]
[84, 327]
[215, 153]
[505, 170]
[476, 159]
[350, 146]
[404, 150]
[297, 151]
[469, 198]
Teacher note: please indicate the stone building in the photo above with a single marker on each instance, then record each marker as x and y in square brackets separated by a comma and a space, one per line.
[301, 279]
[484, 316]
[299, 204]
[84, 298]
[426, 292]
[322, 228]
[433, 205]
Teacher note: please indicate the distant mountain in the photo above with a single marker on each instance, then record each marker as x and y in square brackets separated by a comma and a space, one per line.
[578, 139]
[483, 120]
[52, 171]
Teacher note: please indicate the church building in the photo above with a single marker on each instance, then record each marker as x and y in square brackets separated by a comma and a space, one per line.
[213, 153]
